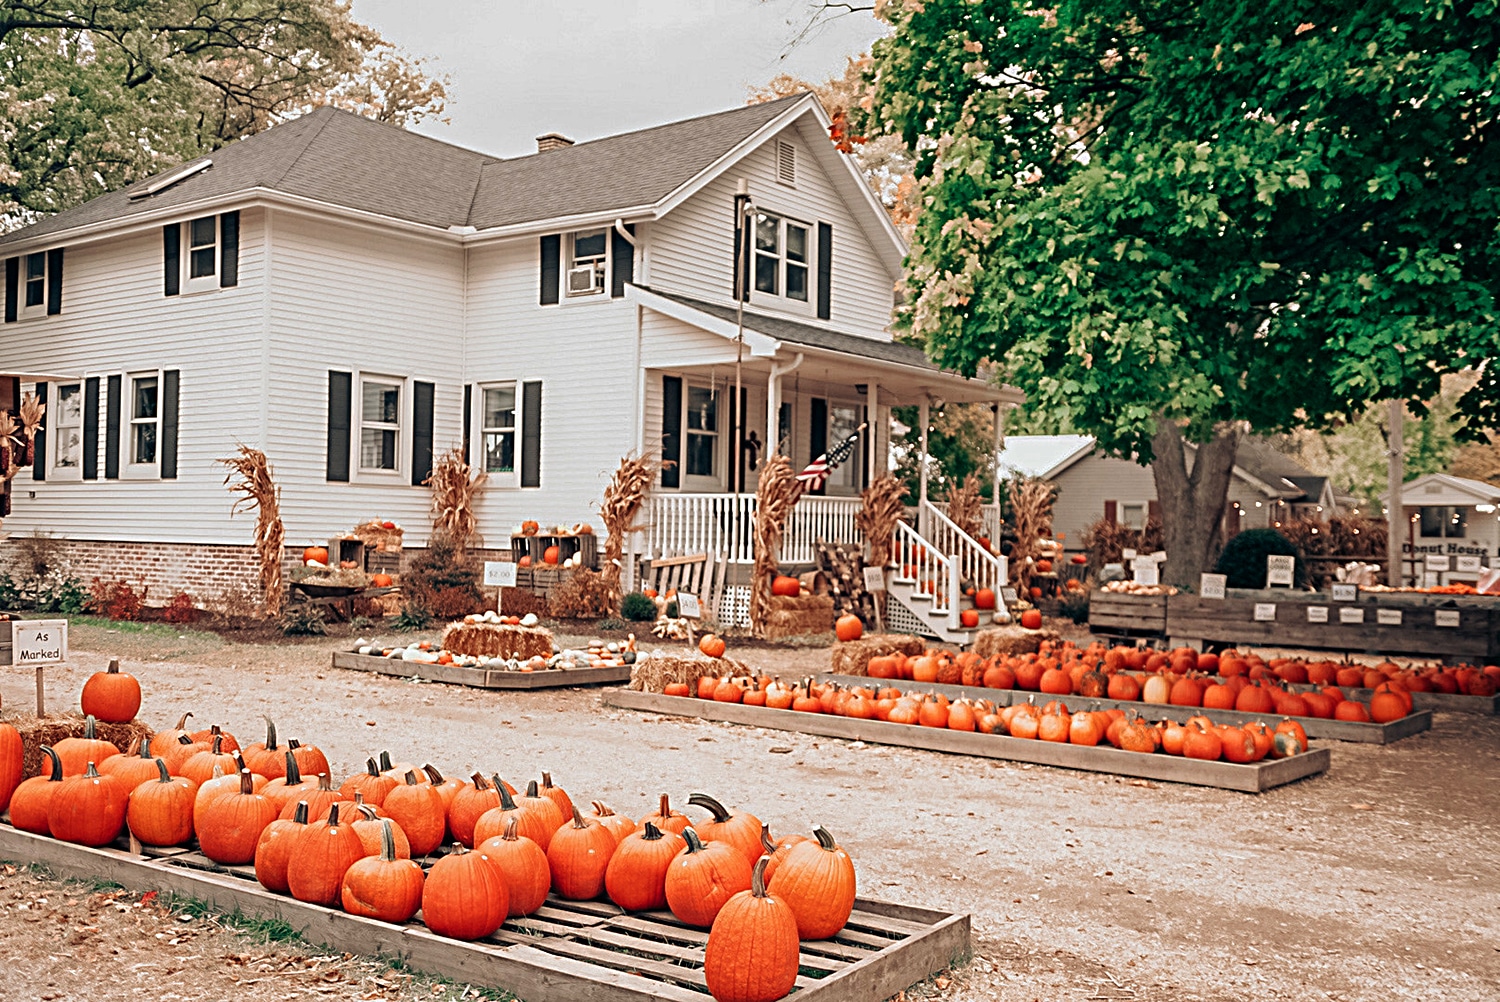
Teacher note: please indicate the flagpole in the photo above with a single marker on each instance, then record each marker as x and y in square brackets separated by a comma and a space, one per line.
[742, 207]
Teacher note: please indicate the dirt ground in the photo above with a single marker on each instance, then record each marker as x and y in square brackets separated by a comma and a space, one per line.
[1377, 881]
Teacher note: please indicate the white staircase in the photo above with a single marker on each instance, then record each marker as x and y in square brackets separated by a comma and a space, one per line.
[933, 571]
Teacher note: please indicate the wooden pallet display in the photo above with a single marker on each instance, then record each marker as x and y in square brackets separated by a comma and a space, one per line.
[1118, 614]
[482, 678]
[1316, 727]
[569, 949]
[1253, 778]
[1453, 702]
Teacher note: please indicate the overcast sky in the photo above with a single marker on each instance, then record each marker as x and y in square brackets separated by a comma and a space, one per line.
[590, 68]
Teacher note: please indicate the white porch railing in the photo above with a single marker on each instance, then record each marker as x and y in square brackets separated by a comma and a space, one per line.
[929, 572]
[976, 565]
[723, 524]
[991, 516]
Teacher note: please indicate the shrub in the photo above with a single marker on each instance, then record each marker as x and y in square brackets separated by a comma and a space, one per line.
[1074, 605]
[180, 609]
[304, 620]
[60, 593]
[413, 617]
[441, 581]
[1243, 561]
[115, 599]
[611, 623]
[10, 592]
[637, 608]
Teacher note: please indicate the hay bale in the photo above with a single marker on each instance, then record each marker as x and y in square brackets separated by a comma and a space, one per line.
[798, 616]
[497, 640]
[654, 671]
[853, 658]
[49, 730]
[1012, 639]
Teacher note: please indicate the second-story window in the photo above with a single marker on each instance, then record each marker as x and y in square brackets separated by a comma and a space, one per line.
[781, 257]
[588, 262]
[36, 283]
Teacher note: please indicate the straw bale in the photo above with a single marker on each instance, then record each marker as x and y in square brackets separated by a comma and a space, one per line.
[853, 657]
[654, 671]
[1005, 640]
[497, 640]
[49, 730]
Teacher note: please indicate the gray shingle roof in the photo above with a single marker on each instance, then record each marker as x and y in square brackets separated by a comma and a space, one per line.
[783, 329]
[343, 159]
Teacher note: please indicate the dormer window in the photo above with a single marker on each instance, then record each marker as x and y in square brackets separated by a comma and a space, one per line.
[588, 262]
[781, 257]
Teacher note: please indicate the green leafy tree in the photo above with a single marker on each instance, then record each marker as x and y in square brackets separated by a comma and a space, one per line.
[1171, 222]
[960, 441]
[94, 96]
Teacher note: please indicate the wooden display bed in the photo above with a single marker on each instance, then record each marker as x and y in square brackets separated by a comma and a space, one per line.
[1254, 778]
[482, 678]
[1316, 727]
[1450, 702]
[1121, 615]
[570, 949]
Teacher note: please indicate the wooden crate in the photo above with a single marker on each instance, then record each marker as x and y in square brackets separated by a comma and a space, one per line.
[1316, 727]
[1232, 620]
[569, 950]
[1127, 615]
[482, 678]
[1254, 778]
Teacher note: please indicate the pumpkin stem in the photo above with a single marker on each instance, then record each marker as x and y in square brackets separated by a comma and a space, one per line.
[218, 744]
[359, 799]
[145, 748]
[323, 781]
[387, 841]
[293, 743]
[758, 877]
[88, 727]
[510, 834]
[333, 815]
[651, 832]
[825, 838]
[433, 774]
[247, 782]
[765, 839]
[299, 814]
[293, 772]
[56, 776]
[547, 781]
[602, 810]
[182, 722]
[666, 808]
[368, 812]
[385, 761]
[719, 811]
[507, 802]
[161, 767]
[114, 667]
[694, 843]
[578, 821]
[411, 778]
[270, 735]
[480, 783]
[91, 772]
[183, 739]
[532, 791]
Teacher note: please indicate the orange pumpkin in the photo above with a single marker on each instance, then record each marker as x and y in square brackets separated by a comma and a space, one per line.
[1031, 619]
[551, 555]
[381, 580]
[969, 619]
[712, 645]
[524, 562]
[984, 598]
[783, 585]
[848, 627]
[316, 554]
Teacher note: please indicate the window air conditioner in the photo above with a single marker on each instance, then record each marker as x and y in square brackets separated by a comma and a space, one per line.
[583, 279]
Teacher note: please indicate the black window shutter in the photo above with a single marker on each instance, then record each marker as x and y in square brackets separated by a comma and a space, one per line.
[169, 381]
[817, 431]
[1111, 512]
[531, 434]
[54, 281]
[421, 432]
[468, 418]
[1153, 510]
[91, 428]
[551, 268]
[229, 249]
[39, 464]
[171, 253]
[622, 261]
[671, 431]
[825, 271]
[340, 409]
[112, 429]
[12, 288]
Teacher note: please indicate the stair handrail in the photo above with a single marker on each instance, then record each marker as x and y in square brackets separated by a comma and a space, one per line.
[978, 565]
[922, 564]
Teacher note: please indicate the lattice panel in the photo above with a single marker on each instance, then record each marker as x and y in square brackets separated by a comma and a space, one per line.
[900, 619]
[734, 606]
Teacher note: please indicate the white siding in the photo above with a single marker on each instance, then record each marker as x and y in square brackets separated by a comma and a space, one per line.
[692, 247]
[115, 319]
[349, 299]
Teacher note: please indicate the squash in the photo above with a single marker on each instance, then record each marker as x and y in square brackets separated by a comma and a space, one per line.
[315, 555]
[783, 585]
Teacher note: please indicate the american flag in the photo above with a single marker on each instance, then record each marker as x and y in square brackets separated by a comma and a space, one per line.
[815, 475]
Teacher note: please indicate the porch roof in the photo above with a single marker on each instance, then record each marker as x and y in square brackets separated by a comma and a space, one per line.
[915, 368]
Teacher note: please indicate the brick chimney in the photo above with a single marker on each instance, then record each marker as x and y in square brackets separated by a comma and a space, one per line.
[552, 141]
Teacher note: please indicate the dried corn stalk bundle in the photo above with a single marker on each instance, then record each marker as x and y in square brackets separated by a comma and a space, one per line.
[1031, 512]
[622, 501]
[966, 506]
[880, 507]
[775, 496]
[454, 487]
[260, 493]
[497, 640]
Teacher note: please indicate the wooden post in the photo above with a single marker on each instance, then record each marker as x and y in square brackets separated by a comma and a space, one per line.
[1395, 510]
[41, 696]
[923, 417]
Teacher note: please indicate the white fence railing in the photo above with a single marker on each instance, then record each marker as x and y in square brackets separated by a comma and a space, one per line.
[977, 567]
[991, 516]
[723, 524]
[932, 574]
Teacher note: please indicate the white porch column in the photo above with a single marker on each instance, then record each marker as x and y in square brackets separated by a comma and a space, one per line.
[872, 406]
[999, 445]
[923, 416]
[773, 408]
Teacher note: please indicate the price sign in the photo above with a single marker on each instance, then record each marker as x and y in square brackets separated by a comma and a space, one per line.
[1127, 555]
[1159, 556]
[1345, 592]
[1388, 617]
[1265, 612]
[1445, 617]
[1279, 570]
[1146, 573]
[1429, 579]
[1212, 585]
[1470, 565]
[37, 642]
[1317, 614]
[1351, 615]
[499, 574]
[1437, 561]
[688, 607]
[1008, 596]
[874, 578]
